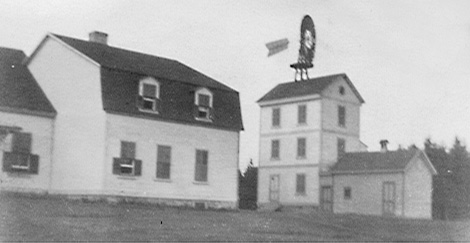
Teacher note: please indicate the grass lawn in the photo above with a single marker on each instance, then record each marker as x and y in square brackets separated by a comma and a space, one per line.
[44, 219]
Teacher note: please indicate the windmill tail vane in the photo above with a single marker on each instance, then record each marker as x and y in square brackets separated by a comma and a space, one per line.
[277, 46]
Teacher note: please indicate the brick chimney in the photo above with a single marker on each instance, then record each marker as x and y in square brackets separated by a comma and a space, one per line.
[383, 145]
[98, 37]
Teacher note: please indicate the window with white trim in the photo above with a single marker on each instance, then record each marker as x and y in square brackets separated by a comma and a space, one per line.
[163, 161]
[275, 149]
[149, 95]
[127, 164]
[202, 157]
[300, 184]
[20, 158]
[301, 147]
[302, 114]
[203, 101]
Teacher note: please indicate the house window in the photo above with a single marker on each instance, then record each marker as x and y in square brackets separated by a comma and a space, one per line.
[341, 90]
[347, 193]
[201, 165]
[302, 114]
[300, 188]
[21, 145]
[341, 116]
[275, 146]
[20, 159]
[127, 164]
[301, 145]
[163, 162]
[203, 109]
[276, 118]
[149, 95]
[341, 147]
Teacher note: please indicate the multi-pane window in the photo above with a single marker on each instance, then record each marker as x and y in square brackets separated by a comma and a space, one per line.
[300, 184]
[302, 114]
[163, 162]
[203, 105]
[275, 146]
[341, 147]
[276, 117]
[20, 159]
[347, 193]
[127, 164]
[341, 116]
[301, 145]
[149, 94]
[202, 157]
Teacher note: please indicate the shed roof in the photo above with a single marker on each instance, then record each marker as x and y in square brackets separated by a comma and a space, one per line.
[19, 91]
[370, 162]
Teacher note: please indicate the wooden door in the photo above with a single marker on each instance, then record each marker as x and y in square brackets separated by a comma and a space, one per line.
[274, 188]
[388, 198]
[326, 198]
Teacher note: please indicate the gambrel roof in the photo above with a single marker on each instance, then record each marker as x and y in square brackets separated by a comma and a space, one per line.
[19, 91]
[306, 87]
[121, 71]
[379, 162]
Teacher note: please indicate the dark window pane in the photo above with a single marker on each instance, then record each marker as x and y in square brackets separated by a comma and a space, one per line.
[201, 165]
[21, 142]
[300, 183]
[341, 116]
[149, 90]
[341, 149]
[204, 100]
[302, 116]
[127, 149]
[301, 144]
[347, 193]
[163, 170]
[276, 117]
[275, 149]
[163, 162]
[148, 104]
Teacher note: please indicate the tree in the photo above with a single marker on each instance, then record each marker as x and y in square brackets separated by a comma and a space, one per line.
[248, 187]
[441, 182]
[460, 167]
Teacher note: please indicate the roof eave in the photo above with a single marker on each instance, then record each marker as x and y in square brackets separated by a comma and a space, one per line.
[23, 111]
[288, 100]
[52, 36]
[358, 172]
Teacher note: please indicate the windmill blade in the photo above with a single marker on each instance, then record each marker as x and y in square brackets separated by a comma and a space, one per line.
[277, 46]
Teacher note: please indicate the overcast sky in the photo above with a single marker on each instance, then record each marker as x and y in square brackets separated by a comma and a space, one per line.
[410, 60]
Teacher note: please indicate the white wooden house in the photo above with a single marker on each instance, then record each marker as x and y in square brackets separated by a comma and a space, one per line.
[26, 127]
[137, 126]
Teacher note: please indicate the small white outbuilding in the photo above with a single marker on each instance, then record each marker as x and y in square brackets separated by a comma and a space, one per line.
[389, 183]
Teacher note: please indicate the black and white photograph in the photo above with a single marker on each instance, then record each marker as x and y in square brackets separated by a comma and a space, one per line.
[224, 120]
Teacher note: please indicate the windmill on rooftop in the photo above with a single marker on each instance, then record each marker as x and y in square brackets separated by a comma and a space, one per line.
[306, 51]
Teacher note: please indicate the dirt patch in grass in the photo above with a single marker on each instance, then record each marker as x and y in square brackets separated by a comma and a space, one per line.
[55, 219]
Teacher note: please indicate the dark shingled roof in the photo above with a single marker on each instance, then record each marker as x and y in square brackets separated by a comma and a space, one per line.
[19, 91]
[374, 161]
[159, 67]
[307, 87]
[121, 71]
